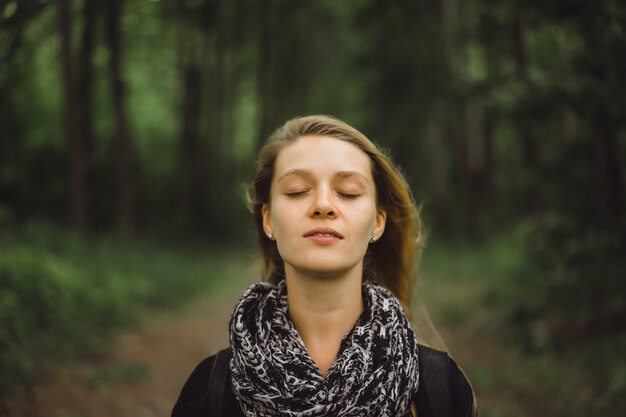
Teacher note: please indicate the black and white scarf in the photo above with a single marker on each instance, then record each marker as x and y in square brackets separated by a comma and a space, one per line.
[375, 373]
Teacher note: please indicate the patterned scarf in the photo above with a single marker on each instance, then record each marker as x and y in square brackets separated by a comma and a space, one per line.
[375, 373]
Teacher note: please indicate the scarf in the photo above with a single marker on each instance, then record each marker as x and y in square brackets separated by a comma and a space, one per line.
[375, 373]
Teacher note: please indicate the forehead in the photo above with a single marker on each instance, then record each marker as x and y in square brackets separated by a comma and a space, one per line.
[322, 155]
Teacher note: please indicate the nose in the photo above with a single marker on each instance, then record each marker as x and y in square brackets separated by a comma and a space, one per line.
[323, 206]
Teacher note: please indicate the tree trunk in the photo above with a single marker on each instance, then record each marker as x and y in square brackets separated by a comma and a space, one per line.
[77, 158]
[439, 168]
[198, 118]
[469, 155]
[489, 123]
[126, 160]
[527, 138]
[216, 130]
[475, 190]
[490, 115]
[264, 71]
[450, 28]
[609, 172]
[191, 150]
[467, 139]
[85, 96]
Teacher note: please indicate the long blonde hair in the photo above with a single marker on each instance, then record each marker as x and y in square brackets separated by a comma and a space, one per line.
[392, 261]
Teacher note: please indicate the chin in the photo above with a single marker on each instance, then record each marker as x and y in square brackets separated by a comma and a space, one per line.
[323, 269]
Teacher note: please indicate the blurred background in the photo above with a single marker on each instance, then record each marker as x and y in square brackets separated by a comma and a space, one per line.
[128, 130]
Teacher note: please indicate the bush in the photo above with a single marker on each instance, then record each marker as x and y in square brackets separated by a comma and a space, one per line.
[572, 283]
[565, 310]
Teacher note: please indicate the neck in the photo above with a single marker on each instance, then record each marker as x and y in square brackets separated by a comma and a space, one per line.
[323, 310]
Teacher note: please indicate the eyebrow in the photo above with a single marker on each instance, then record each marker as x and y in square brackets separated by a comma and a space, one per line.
[308, 174]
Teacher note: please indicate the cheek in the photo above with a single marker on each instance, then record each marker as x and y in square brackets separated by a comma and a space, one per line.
[366, 221]
[281, 216]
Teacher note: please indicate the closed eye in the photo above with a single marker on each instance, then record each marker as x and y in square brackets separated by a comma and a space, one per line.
[295, 193]
[349, 195]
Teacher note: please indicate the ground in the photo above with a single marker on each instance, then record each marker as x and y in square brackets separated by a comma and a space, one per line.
[142, 371]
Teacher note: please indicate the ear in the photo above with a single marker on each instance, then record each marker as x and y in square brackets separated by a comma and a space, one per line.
[267, 219]
[381, 220]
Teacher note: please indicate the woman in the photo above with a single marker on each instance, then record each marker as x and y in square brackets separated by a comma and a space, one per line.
[328, 332]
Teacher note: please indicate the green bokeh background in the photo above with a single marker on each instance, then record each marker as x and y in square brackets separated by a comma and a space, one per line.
[508, 119]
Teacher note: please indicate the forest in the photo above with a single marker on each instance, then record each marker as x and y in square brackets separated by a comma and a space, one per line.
[128, 131]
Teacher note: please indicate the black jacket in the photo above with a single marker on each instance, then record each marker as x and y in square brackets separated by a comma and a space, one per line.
[443, 389]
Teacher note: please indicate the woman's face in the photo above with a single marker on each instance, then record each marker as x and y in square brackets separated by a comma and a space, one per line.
[322, 211]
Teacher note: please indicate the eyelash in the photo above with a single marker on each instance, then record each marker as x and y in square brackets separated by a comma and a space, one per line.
[295, 194]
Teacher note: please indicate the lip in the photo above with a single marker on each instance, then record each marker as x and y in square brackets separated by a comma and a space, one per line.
[316, 235]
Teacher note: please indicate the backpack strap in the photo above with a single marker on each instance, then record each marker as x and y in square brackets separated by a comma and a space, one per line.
[218, 379]
[435, 380]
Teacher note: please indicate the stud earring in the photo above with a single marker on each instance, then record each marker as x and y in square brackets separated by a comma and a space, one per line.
[373, 238]
[269, 235]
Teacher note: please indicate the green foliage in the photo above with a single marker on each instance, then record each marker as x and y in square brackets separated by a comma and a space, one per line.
[537, 334]
[591, 371]
[61, 296]
[496, 113]
[572, 281]
[560, 313]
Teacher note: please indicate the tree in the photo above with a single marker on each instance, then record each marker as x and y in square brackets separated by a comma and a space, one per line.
[76, 87]
[127, 169]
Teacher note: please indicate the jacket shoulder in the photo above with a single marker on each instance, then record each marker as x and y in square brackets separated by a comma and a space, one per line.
[207, 391]
[462, 394]
[444, 390]
[192, 398]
